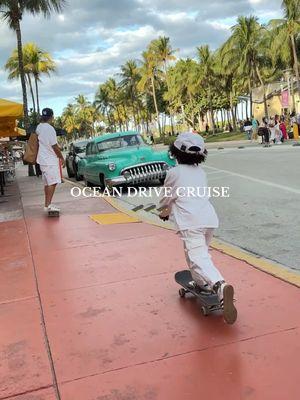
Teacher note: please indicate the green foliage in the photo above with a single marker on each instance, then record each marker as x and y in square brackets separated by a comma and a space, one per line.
[81, 118]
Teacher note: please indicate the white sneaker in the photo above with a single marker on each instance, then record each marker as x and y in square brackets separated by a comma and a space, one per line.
[226, 293]
[52, 207]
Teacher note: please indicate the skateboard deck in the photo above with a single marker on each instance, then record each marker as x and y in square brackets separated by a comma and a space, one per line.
[53, 213]
[209, 300]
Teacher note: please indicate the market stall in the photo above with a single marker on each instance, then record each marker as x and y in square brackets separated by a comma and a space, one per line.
[10, 113]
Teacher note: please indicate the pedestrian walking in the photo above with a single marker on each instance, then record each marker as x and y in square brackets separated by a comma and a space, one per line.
[265, 132]
[272, 129]
[248, 128]
[48, 157]
[195, 217]
[283, 129]
[254, 123]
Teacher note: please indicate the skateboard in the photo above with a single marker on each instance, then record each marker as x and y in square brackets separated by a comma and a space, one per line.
[208, 299]
[53, 213]
[150, 208]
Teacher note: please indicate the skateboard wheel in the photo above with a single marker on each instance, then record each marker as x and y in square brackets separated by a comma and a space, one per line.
[182, 292]
[205, 311]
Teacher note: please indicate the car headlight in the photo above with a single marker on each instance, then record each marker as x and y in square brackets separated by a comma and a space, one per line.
[112, 166]
[127, 175]
[165, 167]
[171, 156]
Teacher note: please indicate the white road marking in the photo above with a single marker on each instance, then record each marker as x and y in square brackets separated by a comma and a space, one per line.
[214, 172]
[250, 178]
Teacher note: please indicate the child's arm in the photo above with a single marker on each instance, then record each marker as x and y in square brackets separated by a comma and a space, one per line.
[165, 202]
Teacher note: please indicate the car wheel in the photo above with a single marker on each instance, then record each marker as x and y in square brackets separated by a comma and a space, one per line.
[162, 180]
[77, 176]
[70, 174]
[102, 181]
[87, 183]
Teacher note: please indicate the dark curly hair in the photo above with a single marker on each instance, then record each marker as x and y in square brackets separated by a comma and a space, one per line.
[187, 158]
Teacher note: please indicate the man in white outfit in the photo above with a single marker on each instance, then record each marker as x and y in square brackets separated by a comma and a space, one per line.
[195, 217]
[49, 156]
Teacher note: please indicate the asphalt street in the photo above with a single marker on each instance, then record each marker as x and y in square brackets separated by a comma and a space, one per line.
[262, 214]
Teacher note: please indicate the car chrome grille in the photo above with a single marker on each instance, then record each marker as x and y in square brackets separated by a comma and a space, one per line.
[145, 172]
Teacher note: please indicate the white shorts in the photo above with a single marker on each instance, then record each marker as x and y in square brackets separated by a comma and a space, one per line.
[50, 174]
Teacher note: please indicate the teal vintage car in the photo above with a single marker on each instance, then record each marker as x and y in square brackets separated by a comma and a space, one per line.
[123, 158]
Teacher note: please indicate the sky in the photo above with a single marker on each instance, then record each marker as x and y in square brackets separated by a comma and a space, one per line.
[90, 39]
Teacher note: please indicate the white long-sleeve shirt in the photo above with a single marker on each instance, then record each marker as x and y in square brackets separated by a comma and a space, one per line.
[189, 212]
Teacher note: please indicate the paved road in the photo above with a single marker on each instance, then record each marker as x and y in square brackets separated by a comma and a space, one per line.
[262, 214]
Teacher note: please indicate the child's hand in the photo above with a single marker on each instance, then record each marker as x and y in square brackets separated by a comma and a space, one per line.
[164, 214]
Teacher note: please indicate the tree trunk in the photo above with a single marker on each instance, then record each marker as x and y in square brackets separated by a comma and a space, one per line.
[222, 119]
[232, 112]
[31, 91]
[37, 94]
[126, 117]
[228, 117]
[23, 84]
[133, 108]
[250, 94]
[296, 67]
[211, 112]
[236, 113]
[119, 118]
[172, 123]
[22, 73]
[264, 93]
[155, 105]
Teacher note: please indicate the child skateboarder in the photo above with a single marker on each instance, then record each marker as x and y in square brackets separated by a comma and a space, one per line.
[195, 217]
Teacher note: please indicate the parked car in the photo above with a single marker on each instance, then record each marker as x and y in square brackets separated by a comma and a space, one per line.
[76, 152]
[123, 158]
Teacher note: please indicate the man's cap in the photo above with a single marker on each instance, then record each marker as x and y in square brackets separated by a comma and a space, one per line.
[190, 143]
[47, 112]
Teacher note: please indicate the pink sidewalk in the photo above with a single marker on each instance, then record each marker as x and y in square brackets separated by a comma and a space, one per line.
[91, 312]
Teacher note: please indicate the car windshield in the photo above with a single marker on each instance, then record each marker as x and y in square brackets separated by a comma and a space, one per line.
[80, 147]
[120, 142]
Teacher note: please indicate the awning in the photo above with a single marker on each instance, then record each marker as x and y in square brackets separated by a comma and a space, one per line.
[10, 112]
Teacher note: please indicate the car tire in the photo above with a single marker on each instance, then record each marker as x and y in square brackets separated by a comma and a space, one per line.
[87, 183]
[102, 181]
[162, 180]
[77, 176]
[70, 174]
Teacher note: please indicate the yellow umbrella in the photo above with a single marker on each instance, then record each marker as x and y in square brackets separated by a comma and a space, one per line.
[9, 114]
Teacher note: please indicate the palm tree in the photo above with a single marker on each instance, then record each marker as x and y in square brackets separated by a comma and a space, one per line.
[164, 53]
[36, 62]
[207, 70]
[85, 114]
[183, 89]
[288, 29]
[130, 78]
[69, 119]
[12, 12]
[149, 72]
[42, 64]
[12, 66]
[102, 104]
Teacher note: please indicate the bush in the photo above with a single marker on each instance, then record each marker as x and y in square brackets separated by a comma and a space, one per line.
[169, 140]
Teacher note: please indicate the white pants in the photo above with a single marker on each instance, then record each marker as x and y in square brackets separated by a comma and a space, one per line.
[196, 243]
[50, 174]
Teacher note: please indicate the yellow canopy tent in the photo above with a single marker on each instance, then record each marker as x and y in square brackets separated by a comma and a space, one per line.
[9, 114]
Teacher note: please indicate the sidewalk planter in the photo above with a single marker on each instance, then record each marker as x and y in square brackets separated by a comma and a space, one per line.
[123, 158]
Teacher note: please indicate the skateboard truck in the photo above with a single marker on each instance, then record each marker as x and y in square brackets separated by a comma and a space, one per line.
[52, 213]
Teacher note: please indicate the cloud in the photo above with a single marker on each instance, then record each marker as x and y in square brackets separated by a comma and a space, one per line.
[90, 40]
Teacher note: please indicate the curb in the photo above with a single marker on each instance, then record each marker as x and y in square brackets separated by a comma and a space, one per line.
[270, 267]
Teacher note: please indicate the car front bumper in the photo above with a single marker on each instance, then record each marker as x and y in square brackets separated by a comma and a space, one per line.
[142, 173]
